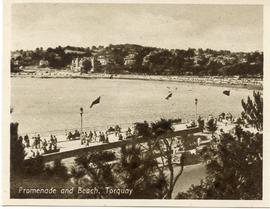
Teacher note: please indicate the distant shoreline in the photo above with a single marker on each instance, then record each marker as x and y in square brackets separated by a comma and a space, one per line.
[230, 82]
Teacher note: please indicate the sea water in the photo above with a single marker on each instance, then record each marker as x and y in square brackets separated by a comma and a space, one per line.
[50, 105]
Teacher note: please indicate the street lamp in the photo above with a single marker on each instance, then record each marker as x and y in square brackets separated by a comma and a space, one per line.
[196, 103]
[81, 113]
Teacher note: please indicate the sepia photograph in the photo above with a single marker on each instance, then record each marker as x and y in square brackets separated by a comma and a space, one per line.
[156, 101]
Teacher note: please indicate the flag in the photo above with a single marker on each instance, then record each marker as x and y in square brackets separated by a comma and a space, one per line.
[169, 96]
[226, 92]
[96, 101]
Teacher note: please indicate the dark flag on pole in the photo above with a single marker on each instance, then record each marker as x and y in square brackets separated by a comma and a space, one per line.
[226, 92]
[169, 96]
[96, 101]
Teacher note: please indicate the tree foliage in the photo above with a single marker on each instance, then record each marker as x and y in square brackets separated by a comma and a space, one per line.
[159, 144]
[94, 171]
[137, 167]
[234, 161]
[234, 168]
[17, 153]
[150, 60]
[137, 170]
[253, 111]
[211, 125]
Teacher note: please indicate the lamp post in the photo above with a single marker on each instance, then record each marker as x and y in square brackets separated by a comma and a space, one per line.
[81, 113]
[196, 109]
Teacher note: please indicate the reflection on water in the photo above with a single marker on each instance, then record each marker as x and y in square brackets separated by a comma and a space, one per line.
[42, 105]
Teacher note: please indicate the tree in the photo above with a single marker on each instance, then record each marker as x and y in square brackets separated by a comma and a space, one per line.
[17, 153]
[86, 65]
[234, 162]
[137, 170]
[211, 125]
[253, 111]
[57, 171]
[234, 169]
[94, 170]
[164, 145]
[18, 167]
[24, 173]
[12, 66]
[148, 168]
[159, 144]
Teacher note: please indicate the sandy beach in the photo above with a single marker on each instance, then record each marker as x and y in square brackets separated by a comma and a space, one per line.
[234, 82]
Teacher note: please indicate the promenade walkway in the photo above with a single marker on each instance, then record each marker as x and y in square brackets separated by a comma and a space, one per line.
[70, 149]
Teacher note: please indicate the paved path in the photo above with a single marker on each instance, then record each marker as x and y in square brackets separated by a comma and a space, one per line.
[192, 174]
[66, 145]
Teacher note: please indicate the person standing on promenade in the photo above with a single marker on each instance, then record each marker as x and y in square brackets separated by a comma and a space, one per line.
[51, 142]
[106, 138]
[82, 138]
[120, 138]
[34, 142]
[95, 135]
[200, 122]
[26, 141]
[91, 136]
[129, 131]
[38, 141]
[33, 154]
[51, 139]
[99, 137]
[55, 140]
[87, 141]
[44, 145]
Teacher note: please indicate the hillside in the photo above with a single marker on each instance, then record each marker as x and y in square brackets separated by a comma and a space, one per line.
[136, 59]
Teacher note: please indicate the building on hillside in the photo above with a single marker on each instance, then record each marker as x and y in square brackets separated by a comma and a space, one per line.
[80, 65]
[72, 51]
[43, 63]
[147, 58]
[196, 60]
[130, 59]
[97, 51]
[74, 66]
[104, 60]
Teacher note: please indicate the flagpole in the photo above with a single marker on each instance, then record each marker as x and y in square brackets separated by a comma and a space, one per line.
[81, 113]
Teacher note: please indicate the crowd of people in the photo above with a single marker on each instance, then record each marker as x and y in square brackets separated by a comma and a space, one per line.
[86, 139]
[38, 146]
[98, 136]
[225, 116]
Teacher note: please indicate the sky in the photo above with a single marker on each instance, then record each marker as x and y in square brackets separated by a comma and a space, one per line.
[172, 26]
